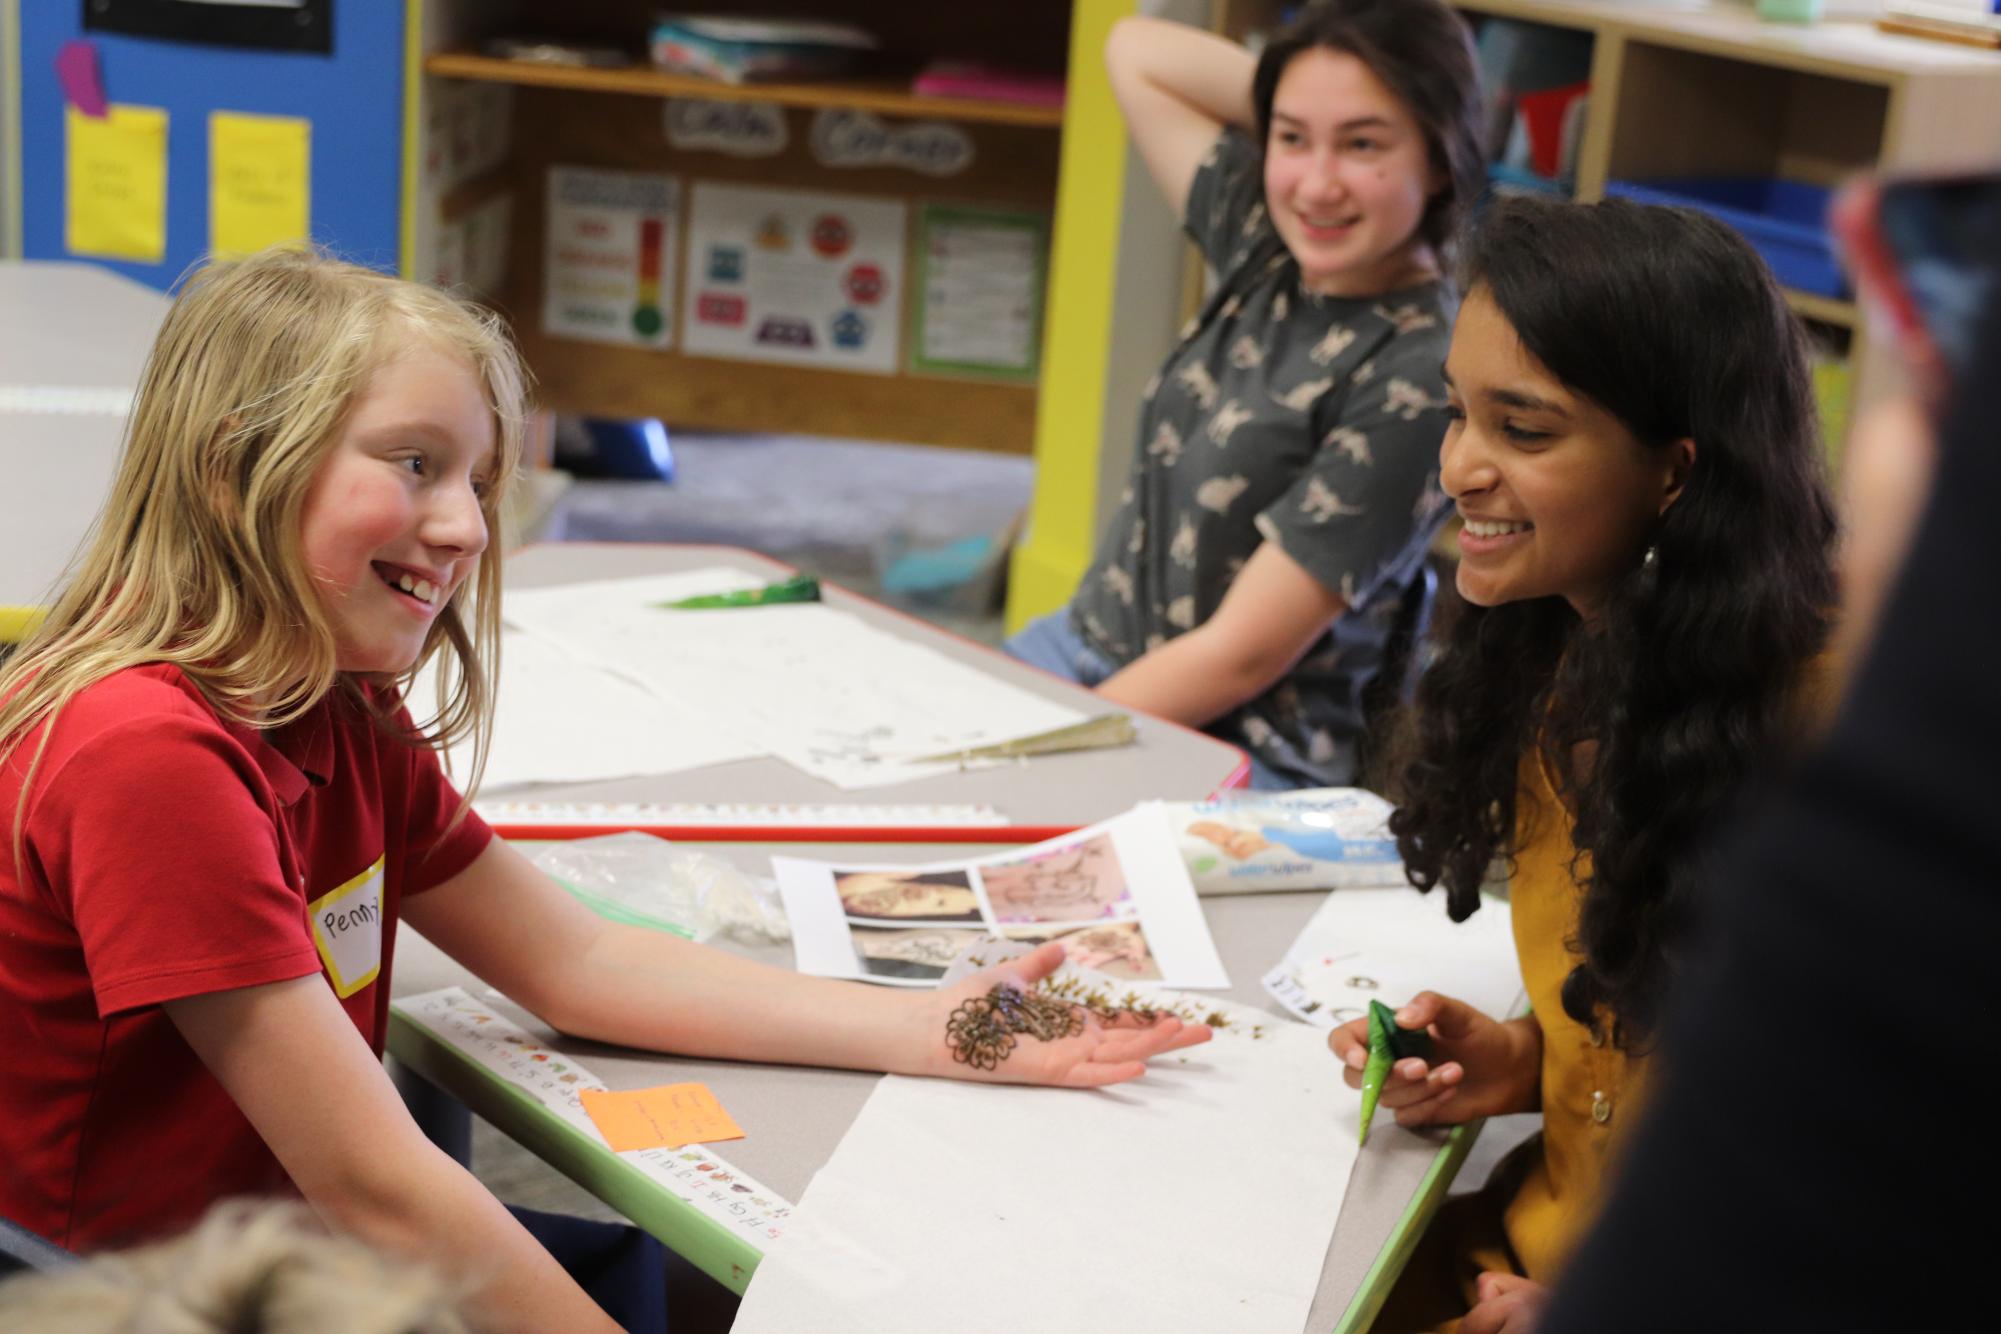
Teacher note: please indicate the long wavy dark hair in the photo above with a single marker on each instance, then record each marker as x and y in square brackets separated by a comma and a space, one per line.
[1423, 52]
[1687, 678]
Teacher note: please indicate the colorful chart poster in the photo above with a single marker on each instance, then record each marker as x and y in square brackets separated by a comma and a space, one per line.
[979, 285]
[794, 277]
[259, 173]
[610, 241]
[115, 183]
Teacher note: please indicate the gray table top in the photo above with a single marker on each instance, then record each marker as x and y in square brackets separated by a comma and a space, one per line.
[1169, 761]
[813, 1108]
[63, 327]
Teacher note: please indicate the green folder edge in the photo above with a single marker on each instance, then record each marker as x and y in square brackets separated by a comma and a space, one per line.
[1415, 1219]
[1410, 1229]
[680, 1226]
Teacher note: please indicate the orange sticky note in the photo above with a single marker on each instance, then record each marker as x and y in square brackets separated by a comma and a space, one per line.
[660, 1118]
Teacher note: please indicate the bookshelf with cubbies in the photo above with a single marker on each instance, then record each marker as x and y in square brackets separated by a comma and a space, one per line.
[546, 117]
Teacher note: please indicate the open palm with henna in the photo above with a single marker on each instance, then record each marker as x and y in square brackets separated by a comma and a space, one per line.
[995, 1025]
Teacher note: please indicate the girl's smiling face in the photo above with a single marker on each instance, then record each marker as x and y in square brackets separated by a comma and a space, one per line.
[1347, 176]
[394, 523]
[1558, 497]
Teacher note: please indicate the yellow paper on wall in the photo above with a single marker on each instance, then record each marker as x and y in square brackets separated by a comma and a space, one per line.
[115, 183]
[258, 173]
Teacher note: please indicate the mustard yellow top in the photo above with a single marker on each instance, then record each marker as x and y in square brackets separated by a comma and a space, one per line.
[1588, 1085]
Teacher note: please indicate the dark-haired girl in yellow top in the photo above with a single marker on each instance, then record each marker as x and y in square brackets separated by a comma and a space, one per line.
[1646, 559]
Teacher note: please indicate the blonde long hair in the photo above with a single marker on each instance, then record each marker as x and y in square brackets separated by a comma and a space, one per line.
[196, 558]
[248, 1265]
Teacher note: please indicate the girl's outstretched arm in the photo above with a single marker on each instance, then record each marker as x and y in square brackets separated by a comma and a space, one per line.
[507, 922]
[294, 1063]
[1177, 87]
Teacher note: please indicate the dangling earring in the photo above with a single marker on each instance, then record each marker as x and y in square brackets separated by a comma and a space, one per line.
[1647, 561]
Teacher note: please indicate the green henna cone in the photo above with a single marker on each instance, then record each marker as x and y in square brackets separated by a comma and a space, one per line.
[1388, 1044]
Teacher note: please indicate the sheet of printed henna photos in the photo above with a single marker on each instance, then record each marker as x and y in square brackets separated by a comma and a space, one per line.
[1115, 894]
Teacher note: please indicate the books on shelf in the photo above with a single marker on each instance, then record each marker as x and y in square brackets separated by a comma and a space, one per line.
[748, 50]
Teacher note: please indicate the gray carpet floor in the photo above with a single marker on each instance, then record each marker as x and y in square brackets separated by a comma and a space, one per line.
[859, 513]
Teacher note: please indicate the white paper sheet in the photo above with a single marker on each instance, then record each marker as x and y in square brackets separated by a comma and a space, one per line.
[1390, 944]
[1115, 894]
[1199, 1199]
[819, 688]
[694, 1173]
[558, 720]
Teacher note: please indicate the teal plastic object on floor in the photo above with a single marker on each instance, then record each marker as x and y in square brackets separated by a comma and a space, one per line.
[1790, 11]
[938, 570]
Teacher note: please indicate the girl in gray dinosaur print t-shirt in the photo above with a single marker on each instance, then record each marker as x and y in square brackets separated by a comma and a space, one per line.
[1284, 485]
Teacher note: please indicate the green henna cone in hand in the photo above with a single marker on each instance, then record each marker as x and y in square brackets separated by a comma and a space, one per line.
[1388, 1044]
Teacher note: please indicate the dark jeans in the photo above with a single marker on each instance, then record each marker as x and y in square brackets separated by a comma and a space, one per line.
[631, 1275]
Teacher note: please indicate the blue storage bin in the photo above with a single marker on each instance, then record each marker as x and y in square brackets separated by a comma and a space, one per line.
[1785, 221]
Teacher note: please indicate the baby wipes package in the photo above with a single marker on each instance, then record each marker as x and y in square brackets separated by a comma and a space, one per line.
[1315, 838]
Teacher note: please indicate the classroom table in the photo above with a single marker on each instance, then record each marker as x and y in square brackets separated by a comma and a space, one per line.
[1040, 797]
[73, 339]
[796, 1117]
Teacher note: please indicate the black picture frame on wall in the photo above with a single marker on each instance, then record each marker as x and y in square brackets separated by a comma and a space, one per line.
[270, 25]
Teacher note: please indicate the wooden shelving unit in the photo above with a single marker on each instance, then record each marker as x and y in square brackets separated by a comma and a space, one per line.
[881, 96]
[561, 116]
[1713, 90]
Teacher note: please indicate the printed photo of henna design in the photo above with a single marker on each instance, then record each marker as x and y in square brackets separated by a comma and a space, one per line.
[916, 953]
[934, 896]
[1065, 884]
[1117, 949]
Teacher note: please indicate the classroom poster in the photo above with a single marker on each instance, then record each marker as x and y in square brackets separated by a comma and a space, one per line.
[115, 183]
[795, 277]
[468, 130]
[979, 292]
[609, 246]
[1115, 895]
[472, 249]
[259, 173]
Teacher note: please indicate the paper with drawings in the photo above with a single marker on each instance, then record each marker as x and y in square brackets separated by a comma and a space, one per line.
[1390, 944]
[559, 720]
[1199, 1199]
[694, 1174]
[819, 688]
[1115, 894]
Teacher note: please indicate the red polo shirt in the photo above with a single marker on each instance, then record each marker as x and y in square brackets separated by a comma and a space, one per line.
[166, 854]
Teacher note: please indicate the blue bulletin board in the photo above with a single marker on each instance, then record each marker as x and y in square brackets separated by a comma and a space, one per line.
[353, 98]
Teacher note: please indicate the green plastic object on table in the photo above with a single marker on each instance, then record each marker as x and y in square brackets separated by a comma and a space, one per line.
[1388, 1044]
[799, 588]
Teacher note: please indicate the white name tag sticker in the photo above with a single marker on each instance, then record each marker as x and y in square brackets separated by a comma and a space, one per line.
[347, 927]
